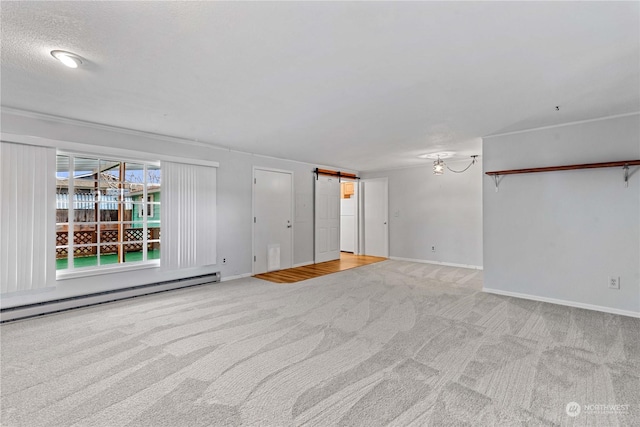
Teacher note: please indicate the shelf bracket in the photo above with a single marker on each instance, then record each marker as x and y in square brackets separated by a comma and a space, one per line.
[496, 181]
[626, 175]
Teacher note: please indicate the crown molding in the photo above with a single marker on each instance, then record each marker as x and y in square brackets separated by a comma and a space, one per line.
[99, 126]
[577, 122]
[300, 162]
[68, 147]
[132, 132]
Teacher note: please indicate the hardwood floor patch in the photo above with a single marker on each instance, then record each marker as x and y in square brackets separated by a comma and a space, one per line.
[297, 274]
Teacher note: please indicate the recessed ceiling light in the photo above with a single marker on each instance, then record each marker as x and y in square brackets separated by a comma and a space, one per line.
[69, 59]
[440, 155]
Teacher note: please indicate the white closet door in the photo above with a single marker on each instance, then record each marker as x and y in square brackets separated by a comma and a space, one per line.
[327, 219]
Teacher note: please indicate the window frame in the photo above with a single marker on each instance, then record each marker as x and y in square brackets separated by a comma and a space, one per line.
[73, 271]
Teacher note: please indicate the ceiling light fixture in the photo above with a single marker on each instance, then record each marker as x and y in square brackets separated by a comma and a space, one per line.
[69, 59]
[439, 165]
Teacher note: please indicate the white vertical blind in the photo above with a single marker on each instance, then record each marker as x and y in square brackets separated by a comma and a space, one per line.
[27, 216]
[188, 215]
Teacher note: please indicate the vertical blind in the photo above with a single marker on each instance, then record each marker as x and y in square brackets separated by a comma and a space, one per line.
[188, 213]
[27, 218]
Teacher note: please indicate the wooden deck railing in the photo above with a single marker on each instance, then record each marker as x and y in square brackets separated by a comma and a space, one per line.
[108, 241]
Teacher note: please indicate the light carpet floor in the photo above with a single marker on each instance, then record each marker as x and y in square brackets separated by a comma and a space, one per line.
[392, 343]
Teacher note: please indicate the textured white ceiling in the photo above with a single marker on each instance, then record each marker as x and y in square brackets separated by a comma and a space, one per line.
[360, 85]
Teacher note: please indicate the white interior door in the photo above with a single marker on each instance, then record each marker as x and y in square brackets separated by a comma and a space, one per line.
[327, 219]
[272, 221]
[375, 194]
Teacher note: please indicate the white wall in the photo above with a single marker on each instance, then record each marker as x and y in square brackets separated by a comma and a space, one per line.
[234, 179]
[444, 211]
[560, 235]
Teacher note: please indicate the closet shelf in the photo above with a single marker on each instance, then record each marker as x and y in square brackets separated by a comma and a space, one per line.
[622, 163]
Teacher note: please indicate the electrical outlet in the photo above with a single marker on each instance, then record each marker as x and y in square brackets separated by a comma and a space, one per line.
[614, 282]
[433, 248]
[224, 260]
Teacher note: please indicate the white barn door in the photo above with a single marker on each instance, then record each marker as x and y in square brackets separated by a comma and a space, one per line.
[327, 219]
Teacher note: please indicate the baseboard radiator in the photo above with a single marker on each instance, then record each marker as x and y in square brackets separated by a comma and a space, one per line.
[31, 310]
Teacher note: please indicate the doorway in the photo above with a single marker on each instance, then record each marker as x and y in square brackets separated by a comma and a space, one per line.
[272, 220]
[349, 216]
[375, 216]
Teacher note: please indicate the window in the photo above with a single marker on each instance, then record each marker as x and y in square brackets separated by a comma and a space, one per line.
[107, 212]
[149, 207]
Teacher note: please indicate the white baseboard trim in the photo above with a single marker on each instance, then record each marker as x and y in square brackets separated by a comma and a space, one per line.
[302, 264]
[563, 302]
[447, 264]
[237, 276]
